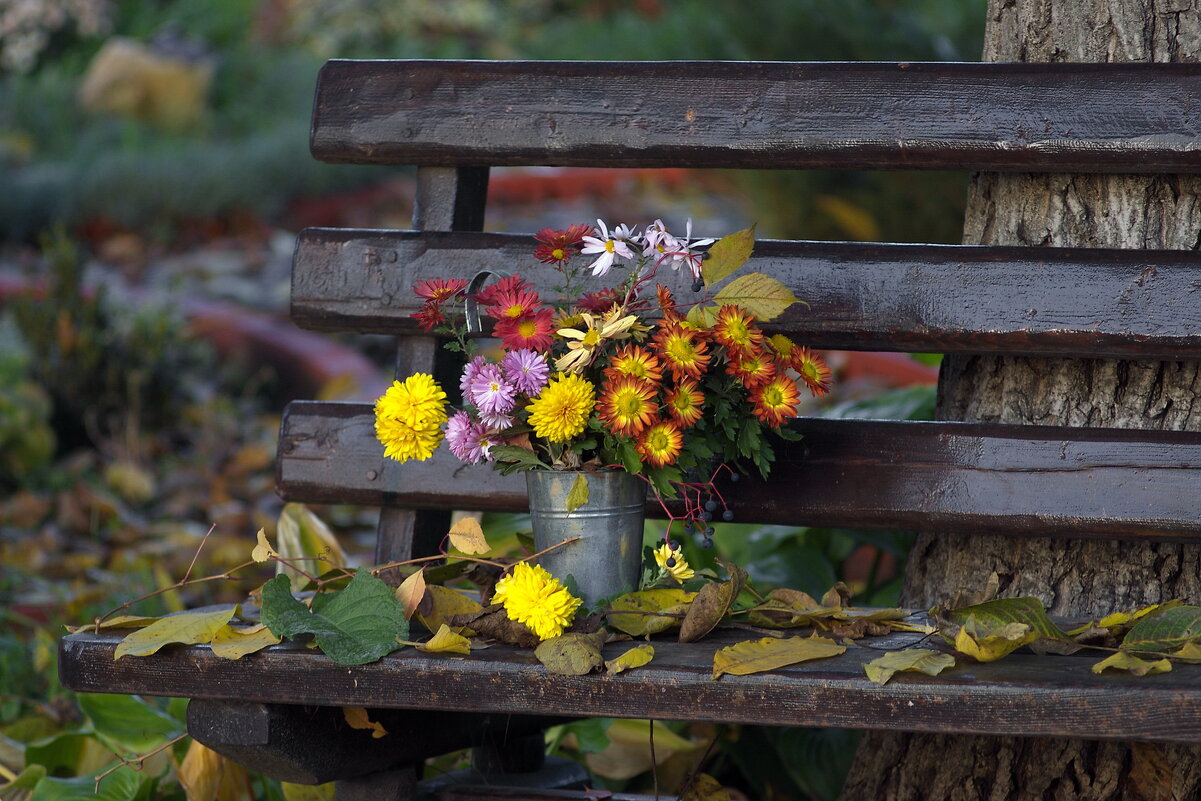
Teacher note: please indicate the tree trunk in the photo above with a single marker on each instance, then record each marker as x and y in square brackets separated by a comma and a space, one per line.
[1073, 577]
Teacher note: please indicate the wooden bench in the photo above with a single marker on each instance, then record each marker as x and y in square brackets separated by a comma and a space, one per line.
[454, 120]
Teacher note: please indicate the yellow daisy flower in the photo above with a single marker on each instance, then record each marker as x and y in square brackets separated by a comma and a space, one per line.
[672, 560]
[409, 418]
[582, 344]
[532, 596]
[561, 410]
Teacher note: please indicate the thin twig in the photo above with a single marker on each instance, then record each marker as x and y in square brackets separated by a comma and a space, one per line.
[188, 573]
[654, 761]
[138, 762]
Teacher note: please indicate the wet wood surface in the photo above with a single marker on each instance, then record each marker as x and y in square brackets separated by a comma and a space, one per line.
[916, 298]
[953, 477]
[1060, 117]
[1036, 695]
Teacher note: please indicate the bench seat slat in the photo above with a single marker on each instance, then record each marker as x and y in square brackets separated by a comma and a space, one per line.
[1059, 117]
[915, 298]
[1020, 480]
[1036, 695]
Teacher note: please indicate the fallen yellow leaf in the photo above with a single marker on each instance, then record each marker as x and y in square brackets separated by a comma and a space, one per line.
[234, 642]
[911, 659]
[1129, 662]
[758, 656]
[635, 657]
[186, 628]
[446, 641]
[410, 592]
[356, 717]
[263, 551]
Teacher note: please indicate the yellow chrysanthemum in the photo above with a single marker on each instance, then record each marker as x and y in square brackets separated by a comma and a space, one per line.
[678, 568]
[561, 410]
[534, 597]
[409, 418]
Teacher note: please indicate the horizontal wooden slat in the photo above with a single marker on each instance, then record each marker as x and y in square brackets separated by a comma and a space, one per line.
[1034, 695]
[1058, 117]
[916, 298]
[953, 477]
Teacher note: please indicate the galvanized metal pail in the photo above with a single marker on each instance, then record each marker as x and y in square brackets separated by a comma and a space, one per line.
[607, 559]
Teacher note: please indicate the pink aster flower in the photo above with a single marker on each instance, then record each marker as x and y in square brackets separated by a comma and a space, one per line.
[495, 423]
[610, 247]
[683, 251]
[527, 369]
[470, 372]
[467, 438]
[491, 392]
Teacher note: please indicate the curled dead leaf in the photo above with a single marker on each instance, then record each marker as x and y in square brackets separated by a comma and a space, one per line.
[357, 718]
[410, 592]
[635, 657]
[757, 656]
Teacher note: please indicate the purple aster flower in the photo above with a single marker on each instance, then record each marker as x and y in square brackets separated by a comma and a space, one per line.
[461, 435]
[470, 372]
[491, 392]
[496, 422]
[527, 369]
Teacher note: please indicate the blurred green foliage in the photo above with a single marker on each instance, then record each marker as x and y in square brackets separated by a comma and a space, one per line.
[59, 163]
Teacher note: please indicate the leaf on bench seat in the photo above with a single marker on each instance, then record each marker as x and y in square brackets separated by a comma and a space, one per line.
[440, 604]
[234, 642]
[572, 654]
[918, 660]
[757, 656]
[358, 625]
[186, 628]
[446, 641]
[1163, 631]
[711, 604]
[649, 611]
[635, 657]
[1132, 664]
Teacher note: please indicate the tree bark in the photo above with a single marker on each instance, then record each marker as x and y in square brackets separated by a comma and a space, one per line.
[1073, 577]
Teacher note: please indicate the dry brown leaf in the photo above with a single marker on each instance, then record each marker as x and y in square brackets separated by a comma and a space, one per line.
[410, 592]
[758, 656]
[711, 604]
[440, 604]
[492, 622]
[357, 718]
[467, 536]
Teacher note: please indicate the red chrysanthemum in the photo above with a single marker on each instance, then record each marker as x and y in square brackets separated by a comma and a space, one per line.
[684, 403]
[735, 330]
[683, 350]
[660, 443]
[813, 370]
[627, 406]
[635, 361]
[559, 245]
[513, 304]
[753, 369]
[776, 401]
[437, 290]
[532, 332]
[600, 301]
[509, 285]
[430, 316]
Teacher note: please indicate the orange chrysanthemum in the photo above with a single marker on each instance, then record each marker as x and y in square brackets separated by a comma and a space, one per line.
[813, 370]
[627, 406]
[684, 403]
[735, 329]
[682, 349]
[753, 368]
[776, 401]
[636, 362]
[667, 303]
[660, 444]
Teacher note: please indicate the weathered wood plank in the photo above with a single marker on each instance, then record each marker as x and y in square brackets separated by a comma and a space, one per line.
[1036, 695]
[917, 298]
[1020, 480]
[1060, 117]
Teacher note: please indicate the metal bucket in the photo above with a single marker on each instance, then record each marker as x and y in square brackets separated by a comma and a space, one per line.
[607, 559]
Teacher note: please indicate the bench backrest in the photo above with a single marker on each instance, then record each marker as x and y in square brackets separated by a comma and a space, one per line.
[456, 119]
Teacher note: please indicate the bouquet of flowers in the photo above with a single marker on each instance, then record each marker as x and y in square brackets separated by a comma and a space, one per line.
[625, 376]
